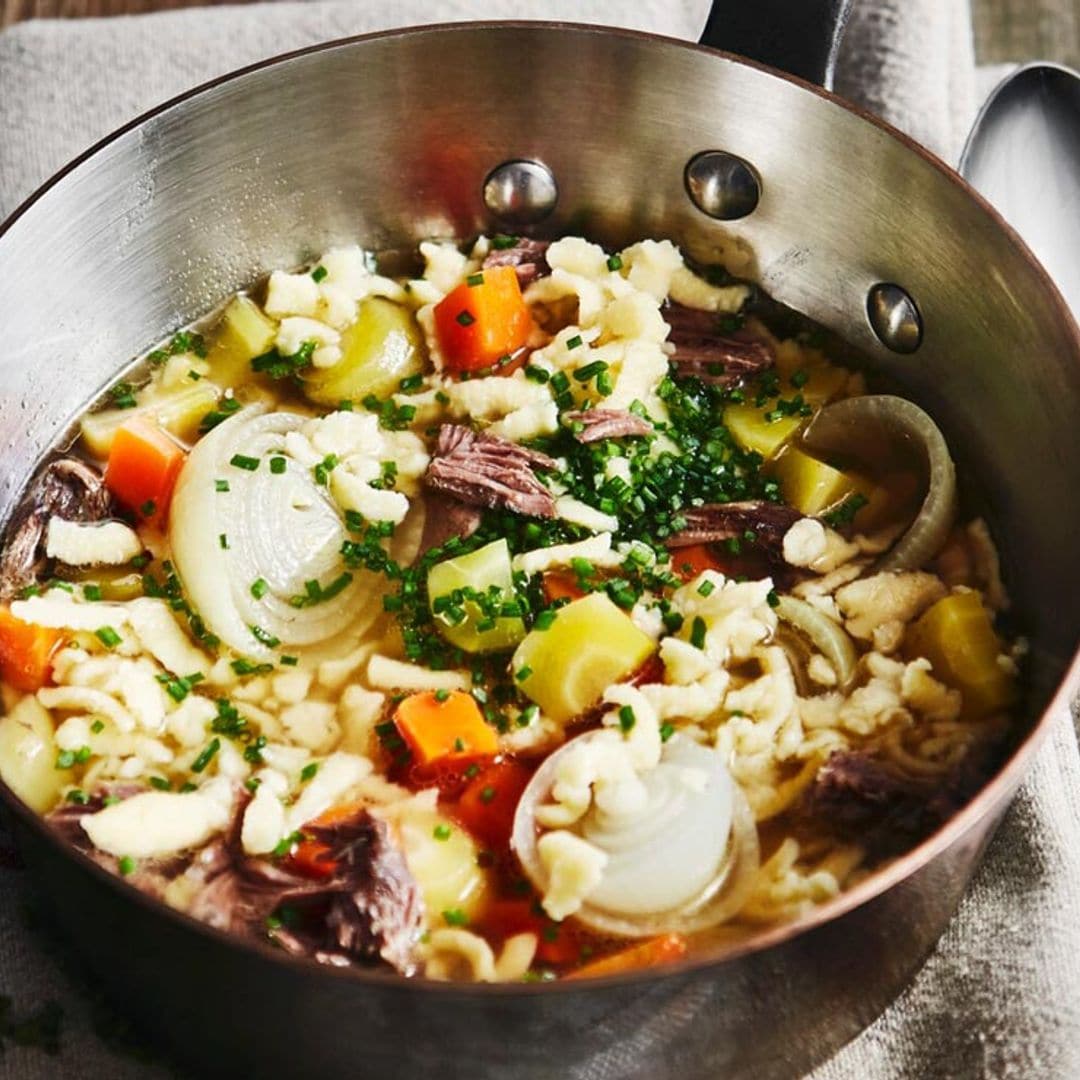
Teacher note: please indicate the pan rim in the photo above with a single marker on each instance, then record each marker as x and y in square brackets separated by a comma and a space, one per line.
[1001, 787]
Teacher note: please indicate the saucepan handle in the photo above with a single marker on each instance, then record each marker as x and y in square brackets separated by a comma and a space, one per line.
[801, 37]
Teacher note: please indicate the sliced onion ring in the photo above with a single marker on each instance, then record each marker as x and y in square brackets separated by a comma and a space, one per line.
[837, 429]
[721, 898]
[829, 637]
[280, 529]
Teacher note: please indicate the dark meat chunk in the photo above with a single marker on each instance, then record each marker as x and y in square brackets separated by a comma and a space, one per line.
[705, 351]
[68, 489]
[597, 424]
[527, 257]
[445, 518]
[861, 796]
[717, 522]
[482, 470]
[368, 907]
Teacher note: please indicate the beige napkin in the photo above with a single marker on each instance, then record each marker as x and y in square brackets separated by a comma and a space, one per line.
[998, 998]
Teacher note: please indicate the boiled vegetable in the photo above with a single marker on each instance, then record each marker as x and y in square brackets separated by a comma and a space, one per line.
[258, 551]
[444, 724]
[665, 949]
[444, 860]
[753, 430]
[556, 943]
[566, 667]
[561, 585]
[475, 625]
[486, 807]
[25, 652]
[957, 636]
[28, 756]
[144, 463]
[483, 321]
[178, 411]
[841, 428]
[243, 333]
[380, 349]
[827, 635]
[680, 857]
[694, 559]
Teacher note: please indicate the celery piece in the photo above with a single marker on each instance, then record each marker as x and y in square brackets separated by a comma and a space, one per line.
[380, 349]
[445, 869]
[591, 644]
[487, 570]
[243, 333]
[957, 636]
[752, 431]
[178, 411]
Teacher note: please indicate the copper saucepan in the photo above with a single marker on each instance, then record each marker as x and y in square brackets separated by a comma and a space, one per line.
[390, 138]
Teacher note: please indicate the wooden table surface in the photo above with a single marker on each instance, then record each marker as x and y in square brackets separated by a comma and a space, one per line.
[1004, 29]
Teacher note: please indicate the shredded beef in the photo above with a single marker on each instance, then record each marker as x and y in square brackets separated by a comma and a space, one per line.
[482, 470]
[597, 424]
[858, 795]
[67, 489]
[446, 517]
[703, 350]
[717, 522]
[527, 257]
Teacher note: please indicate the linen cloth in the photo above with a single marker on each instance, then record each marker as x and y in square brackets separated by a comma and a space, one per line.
[998, 996]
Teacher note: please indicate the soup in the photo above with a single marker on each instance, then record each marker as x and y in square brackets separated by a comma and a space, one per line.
[549, 614]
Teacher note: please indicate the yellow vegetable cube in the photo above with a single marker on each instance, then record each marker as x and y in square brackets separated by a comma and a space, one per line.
[812, 486]
[566, 667]
[752, 431]
[243, 333]
[957, 636]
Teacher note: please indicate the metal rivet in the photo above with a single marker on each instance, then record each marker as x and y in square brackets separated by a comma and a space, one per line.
[520, 192]
[722, 185]
[894, 317]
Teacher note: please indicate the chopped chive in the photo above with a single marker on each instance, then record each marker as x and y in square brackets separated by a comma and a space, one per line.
[442, 695]
[500, 242]
[264, 637]
[455, 917]
[697, 632]
[223, 542]
[487, 794]
[148, 508]
[464, 318]
[221, 485]
[614, 262]
[523, 673]
[290, 661]
[207, 755]
[259, 588]
[574, 342]
[666, 731]
[242, 461]
[97, 727]
[107, 636]
[92, 592]
[78, 797]
[442, 831]
[475, 279]
[544, 620]
[127, 865]
[706, 587]
[773, 598]
[277, 465]
[590, 371]
[627, 719]
[319, 273]
[160, 783]
[308, 772]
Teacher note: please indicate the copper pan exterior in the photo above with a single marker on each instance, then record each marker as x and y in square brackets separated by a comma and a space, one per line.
[388, 139]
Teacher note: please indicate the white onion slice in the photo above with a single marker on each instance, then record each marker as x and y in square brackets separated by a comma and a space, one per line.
[830, 638]
[282, 528]
[838, 428]
[685, 861]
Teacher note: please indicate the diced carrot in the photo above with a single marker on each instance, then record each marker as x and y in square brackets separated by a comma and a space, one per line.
[444, 724]
[311, 858]
[556, 943]
[692, 560]
[143, 465]
[561, 585]
[483, 322]
[486, 807]
[336, 815]
[26, 652]
[665, 949]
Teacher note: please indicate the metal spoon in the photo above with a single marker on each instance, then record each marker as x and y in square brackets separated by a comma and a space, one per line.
[1023, 154]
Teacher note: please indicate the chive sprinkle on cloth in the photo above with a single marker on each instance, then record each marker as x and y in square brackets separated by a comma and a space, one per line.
[998, 997]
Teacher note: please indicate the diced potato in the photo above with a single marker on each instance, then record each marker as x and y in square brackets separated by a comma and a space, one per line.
[820, 380]
[823, 383]
[243, 333]
[957, 636]
[485, 569]
[178, 411]
[28, 756]
[811, 486]
[443, 859]
[380, 349]
[752, 431]
[591, 644]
